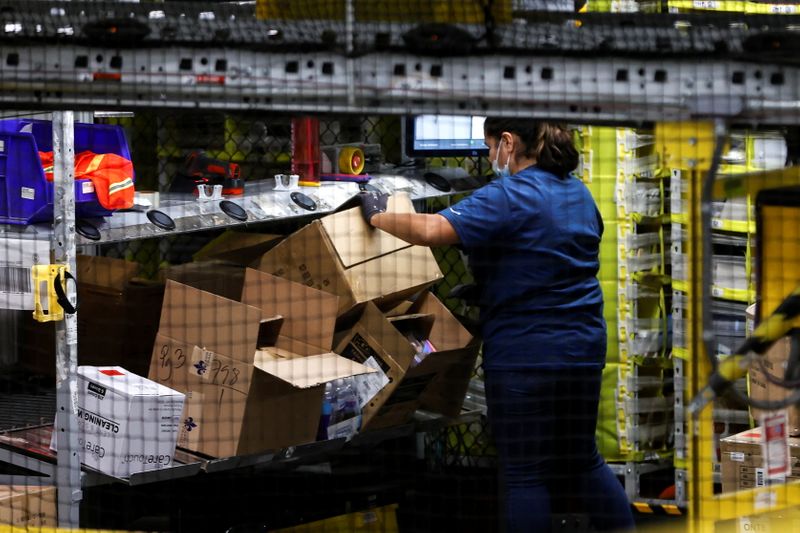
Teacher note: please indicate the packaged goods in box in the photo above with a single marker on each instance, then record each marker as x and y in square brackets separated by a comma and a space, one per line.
[127, 423]
[451, 364]
[117, 322]
[409, 377]
[761, 388]
[254, 370]
[26, 196]
[27, 507]
[743, 462]
[342, 255]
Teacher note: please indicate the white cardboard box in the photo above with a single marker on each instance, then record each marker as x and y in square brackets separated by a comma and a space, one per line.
[128, 423]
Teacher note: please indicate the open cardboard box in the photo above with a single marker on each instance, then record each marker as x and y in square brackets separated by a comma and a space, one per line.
[342, 255]
[243, 398]
[438, 383]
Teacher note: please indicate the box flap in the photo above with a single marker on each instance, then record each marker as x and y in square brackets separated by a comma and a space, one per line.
[307, 257]
[384, 332]
[106, 272]
[402, 308]
[355, 241]
[217, 277]
[413, 267]
[212, 322]
[309, 314]
[448, 333]
[268, 330]
[305, 372]
[417, 325]
[237, 247]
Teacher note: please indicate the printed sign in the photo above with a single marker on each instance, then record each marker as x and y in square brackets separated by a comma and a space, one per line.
[775, 446]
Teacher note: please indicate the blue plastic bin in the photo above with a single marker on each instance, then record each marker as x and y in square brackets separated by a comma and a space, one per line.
[26, 196]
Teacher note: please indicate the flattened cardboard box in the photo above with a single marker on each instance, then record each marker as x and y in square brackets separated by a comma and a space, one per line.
[342, 255]
[28, 506]
[439, 383]
[742, 463]
[244, 398]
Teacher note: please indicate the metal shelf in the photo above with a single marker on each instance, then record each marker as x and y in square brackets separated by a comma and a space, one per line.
[220, 57]
[261, 203]
[29, 448]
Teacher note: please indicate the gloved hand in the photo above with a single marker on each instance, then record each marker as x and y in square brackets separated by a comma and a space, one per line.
[372, 203]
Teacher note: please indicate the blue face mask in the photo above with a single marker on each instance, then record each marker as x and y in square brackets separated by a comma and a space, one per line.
[500, 172]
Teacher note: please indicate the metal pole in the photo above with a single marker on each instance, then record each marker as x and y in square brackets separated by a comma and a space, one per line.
[68, 468]
[349, 30]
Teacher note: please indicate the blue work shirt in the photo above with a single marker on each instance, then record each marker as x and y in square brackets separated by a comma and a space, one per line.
[533, 241]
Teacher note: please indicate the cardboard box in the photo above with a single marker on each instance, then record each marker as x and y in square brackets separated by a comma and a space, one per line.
[237, 247]
[438, 383]
[775, 360]
[222, 278]
[28, 506]
[127, 423]
[342, 255]
[453, 363]
[117, 319]
[742, 462]
[251, 385]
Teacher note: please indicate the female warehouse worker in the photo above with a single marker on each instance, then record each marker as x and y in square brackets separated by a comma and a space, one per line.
[532, 237]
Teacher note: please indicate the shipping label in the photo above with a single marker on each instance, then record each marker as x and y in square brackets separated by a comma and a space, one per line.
[369, 385]
[775, 445]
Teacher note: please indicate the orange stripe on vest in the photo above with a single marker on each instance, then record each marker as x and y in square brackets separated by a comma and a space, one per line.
[111, 175]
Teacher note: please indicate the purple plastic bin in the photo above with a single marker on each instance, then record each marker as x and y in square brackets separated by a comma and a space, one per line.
[26, 197]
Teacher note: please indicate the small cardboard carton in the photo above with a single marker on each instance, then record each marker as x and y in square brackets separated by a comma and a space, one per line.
[127, 423]
[437, 383]
[251, 384]
[743, 463]
[27, 507]
[342, 255]
[774, 365]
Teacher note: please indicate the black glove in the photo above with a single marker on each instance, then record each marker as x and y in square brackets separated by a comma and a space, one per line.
[372, 203]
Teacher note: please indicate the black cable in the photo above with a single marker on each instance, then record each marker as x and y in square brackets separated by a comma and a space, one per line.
[707, 244]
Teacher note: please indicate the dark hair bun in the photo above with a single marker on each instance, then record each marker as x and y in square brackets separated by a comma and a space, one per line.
[549, 143]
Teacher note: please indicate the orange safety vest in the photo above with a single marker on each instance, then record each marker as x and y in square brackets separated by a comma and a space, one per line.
[111, 176]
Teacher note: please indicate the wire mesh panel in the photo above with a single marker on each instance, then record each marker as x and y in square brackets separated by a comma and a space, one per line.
[398, 266]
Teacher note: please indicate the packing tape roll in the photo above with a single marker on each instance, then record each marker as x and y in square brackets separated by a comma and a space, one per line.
[351, 160]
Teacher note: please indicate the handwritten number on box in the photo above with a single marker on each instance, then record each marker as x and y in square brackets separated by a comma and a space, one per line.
[170, 361]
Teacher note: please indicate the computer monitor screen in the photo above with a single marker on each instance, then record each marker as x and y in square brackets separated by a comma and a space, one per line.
[445, 136]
